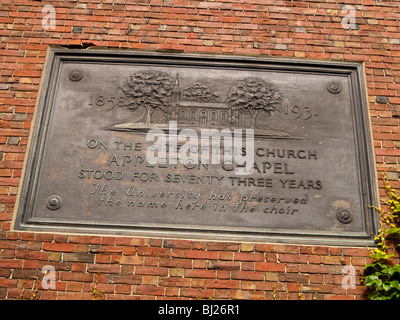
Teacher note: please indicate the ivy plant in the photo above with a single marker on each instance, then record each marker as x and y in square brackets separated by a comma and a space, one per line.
[382, 275]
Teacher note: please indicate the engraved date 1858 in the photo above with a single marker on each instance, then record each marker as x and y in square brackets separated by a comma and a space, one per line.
[110, 102]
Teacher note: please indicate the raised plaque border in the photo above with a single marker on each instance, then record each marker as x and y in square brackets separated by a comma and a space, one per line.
[24, 217]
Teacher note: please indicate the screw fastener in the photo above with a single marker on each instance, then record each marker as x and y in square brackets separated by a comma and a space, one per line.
[334, 87]
[54, 202]
[344, 216]
[75, 75]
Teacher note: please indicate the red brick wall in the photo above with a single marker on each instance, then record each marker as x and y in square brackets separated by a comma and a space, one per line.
[124, 267]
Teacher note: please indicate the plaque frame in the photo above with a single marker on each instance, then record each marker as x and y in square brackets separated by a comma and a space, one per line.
[24, 218]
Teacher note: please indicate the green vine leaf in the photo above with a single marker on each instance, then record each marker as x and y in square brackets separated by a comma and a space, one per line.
[379, 255]
[393, 231]
[373, 280]
[375, 295]
[396, 269]
[394, 284]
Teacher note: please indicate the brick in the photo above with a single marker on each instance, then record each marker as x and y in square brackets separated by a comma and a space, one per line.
[103, 268]
[247, 275]
[246, 295]
[176, 263]
[218, 284]
[10, 263]
[74, 286]
[131, 279]
[73, 296]
[34, 255]
[176, 272]
[76, 276]
[150, 261]
[8, 283]
[62, 247]
[199, 273]
[123, 289]
[293, 258]
[78, 257]
[196, 282]
[183, 244]
[178, 253]
[134, 260]
[241, 256]
[58, 265]
[222, 246]
[154, 252]
[197, 254]
[247, 247]
[160, 271]
[44, 237]
[335, 251]
[361, 252]
[25, 274]
[175, 282]
[269, 266]
[311, 268]
[197, 293]
[223, 265]
[271, 248]
[105, 249]
[106, 258]
[150, 290]
[293, 277]
[83, 239]
[5, 172]
[332, 260]
[314, 250]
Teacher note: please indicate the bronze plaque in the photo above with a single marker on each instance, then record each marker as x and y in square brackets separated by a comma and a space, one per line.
[200, 146]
